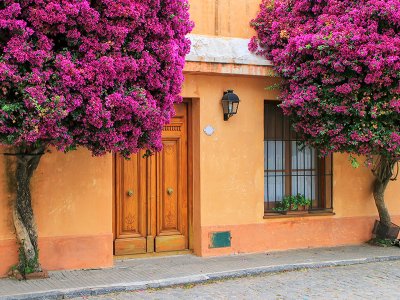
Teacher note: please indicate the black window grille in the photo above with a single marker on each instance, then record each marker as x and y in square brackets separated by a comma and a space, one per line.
[290, 169]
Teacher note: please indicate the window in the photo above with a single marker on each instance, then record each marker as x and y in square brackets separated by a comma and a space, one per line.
[291, 170]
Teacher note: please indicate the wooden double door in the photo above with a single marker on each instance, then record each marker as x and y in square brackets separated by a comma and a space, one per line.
[152, 195]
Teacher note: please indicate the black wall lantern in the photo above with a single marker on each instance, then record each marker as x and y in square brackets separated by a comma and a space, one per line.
[230, 104]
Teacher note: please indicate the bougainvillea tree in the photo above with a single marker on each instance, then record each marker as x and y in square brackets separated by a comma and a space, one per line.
[340, 66]
[99, 74]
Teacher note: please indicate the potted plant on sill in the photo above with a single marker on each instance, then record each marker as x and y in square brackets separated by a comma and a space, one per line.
[293, 204]
[282, 206]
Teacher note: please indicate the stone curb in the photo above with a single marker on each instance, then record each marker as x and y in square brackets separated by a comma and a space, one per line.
[201, 278]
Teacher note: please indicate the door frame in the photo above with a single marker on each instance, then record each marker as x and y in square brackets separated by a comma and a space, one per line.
[189, 107]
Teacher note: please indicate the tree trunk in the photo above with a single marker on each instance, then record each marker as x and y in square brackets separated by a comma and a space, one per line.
[379, 195]
[27, 161]
[383, 173]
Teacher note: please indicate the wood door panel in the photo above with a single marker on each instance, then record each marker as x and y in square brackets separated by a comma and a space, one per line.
[130, 206]
[130, 246]
[169, 188]
[172, 196]
[131, 211]
[155, 216]
[171, 243]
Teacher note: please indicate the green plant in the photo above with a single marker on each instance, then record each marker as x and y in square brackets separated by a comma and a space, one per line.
[26, 265]
[383, 242]
[292, 202]
[301, 200]
[283, 205]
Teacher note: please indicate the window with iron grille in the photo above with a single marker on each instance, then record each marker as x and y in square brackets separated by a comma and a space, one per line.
[290, 169]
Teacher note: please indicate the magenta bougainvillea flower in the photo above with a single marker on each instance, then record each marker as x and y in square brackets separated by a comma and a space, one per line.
[340, 66]
[99, 74]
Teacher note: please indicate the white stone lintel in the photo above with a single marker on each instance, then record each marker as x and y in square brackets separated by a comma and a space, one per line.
[225, 50]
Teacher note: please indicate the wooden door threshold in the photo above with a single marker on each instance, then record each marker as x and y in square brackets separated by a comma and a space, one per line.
[154, 254]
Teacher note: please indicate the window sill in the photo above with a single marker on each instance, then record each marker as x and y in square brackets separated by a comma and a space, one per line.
[315, 213]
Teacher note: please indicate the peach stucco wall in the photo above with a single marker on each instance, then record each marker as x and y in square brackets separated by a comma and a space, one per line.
[232, 172]
[229, 18]
[72, 201]
[231, 160]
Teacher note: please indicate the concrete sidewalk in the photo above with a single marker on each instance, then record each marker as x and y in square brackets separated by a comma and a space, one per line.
[166, 271]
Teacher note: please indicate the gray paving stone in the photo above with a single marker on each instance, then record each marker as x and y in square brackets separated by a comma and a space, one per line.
[140, 274]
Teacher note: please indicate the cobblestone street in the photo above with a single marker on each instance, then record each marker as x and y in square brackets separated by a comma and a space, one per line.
[368, 281]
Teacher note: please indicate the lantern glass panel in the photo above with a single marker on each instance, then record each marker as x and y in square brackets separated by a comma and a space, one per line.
[234, 107]
[225, 105]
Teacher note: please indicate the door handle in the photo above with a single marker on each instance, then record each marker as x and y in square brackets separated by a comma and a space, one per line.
[130, 193]
[170, 191]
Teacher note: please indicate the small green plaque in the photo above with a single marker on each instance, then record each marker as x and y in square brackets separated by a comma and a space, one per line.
[220, 239]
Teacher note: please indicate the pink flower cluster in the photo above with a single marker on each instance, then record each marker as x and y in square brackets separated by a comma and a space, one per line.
[340, 66]
[99, 74]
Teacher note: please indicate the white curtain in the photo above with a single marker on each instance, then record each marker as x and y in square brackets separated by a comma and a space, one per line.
[274, 182]
[303, 176]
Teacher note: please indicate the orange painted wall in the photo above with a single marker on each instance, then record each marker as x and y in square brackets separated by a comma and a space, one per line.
[232, 172]
[72, 201]
[232, 159]
[292, 233]
[228, 18]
